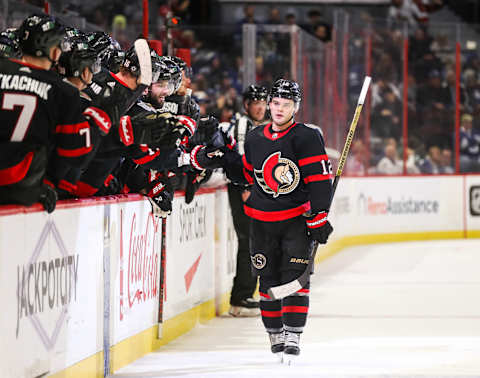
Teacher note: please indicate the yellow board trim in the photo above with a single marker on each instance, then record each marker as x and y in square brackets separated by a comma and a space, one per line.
[134, 347]
[147, 341]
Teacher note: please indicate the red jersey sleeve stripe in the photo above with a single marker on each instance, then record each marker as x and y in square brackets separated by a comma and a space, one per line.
[147, 159]
[314, 178]
[16, 173]
[76, 152]
[246, 164]
[312, 159]
[71, 129]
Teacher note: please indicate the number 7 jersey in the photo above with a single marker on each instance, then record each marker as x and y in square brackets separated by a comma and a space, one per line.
[290, 172]
[38, 108]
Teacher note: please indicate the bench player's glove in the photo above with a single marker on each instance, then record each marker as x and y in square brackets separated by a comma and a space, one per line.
[319, 228]
[160, 195]
[211, 156]
[155, 129]
[48, 198]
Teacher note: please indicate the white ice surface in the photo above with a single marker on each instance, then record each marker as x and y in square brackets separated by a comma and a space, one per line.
[386, 310]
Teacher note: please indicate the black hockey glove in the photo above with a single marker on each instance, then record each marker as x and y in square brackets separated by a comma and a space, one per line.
[155, 129]
[319, 228]
[160, 194]
[206, 127]
[48, 198]
[211, 156]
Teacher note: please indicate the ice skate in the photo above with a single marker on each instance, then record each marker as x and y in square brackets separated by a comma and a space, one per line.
[245, 308]
[277, 342]
[292, 349]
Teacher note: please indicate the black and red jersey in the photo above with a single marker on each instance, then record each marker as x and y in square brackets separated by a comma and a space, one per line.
[38, 108]
[289, 170]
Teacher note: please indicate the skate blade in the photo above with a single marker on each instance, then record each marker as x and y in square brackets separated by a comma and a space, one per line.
[289, 359]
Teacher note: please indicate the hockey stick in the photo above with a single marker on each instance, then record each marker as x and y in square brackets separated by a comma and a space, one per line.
[145, 62]
[289, 288]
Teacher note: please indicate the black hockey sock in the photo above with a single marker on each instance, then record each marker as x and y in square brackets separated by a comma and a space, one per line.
[271, 313]
[295, 310]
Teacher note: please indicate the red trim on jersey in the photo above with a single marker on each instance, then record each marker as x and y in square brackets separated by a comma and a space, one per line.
[71, 129]
[271, 314]
[318, 220]
[147, 158]
[125, 130]
[49, 183]
[273, 216]
[16, 173]
[303, 291]
[108, 179]
[119, 80]
[76, 152]
[264, 295]
[101, 118]
[314, 178]
[67, 186]
[295, 309]
[246, 164]
[279, 134]
[27, 64]
[312, 159]
[85, 190]
[247, 176]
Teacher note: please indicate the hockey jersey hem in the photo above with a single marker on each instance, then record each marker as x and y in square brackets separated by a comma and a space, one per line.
[279, 215]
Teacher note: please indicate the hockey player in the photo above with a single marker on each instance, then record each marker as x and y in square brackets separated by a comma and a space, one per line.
[244, 283]
[36, 126]
[9, 44]
[286, 163]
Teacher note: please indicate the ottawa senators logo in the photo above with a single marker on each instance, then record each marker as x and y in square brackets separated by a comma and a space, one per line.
[278, 175]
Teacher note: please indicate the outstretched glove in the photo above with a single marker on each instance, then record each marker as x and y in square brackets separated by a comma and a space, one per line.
[319, 228]
[211, 155]
[155, 129]
[160, 195]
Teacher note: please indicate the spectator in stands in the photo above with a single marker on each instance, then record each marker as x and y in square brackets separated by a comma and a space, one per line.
[356, 162]
[390, 164]
[274, 17]
[314, 17]
[323, 32]
[290, 19]
[446, 165]
[469, 145]
[431, 164]
[432, 95]
[249, 15]
[386, 116]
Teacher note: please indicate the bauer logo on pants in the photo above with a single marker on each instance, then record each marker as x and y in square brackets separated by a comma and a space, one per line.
[475, 200]
[259, 261]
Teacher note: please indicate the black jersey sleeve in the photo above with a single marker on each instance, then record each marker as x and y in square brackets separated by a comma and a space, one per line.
[315, 168]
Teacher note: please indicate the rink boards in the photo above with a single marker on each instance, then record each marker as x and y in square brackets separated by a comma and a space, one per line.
[81, 287]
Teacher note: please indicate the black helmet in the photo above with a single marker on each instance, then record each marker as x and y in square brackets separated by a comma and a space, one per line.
[183, 65]
[131, 61]
[254, 93]
[113, 56]
[285, 89]
[77, 54]
[100, 42]
[38, 33]
[9, 46]
[171, 71]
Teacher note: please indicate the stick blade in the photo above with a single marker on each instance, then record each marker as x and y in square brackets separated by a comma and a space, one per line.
[282, 291]
[145, 61]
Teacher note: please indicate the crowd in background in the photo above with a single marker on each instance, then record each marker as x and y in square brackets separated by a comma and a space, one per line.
[218, 67]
